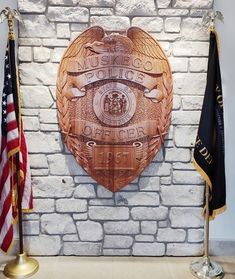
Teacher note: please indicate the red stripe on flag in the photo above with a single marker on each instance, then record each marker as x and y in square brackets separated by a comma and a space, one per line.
[6, 244]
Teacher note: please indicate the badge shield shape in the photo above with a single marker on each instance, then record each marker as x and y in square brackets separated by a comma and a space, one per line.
[114, 100]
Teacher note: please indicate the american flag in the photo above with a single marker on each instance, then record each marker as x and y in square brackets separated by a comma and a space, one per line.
[13, 152]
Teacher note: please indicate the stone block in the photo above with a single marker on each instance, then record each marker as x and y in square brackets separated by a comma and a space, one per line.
[144, 238]
[149, 213]
[41, 54]
[177, 155]
[30, 216]
[117, 241]
[55, 42]
[49, 143]
[68, 14]
[116, 252]
[36, 26]
[182, 195]
[70, 237]
[176, 102]
[85, 191]
[101, 11]
[64, 164]
[101, 201]
[183, 166]
[163, 224]
[184, 48]
[186, 117]
[189, 83]
[139, 198]
[43, 245]
[159, 169]
[198, 64]
[138, 7]
[53, 187]
[39, 172]
[57, 54]
[96, 3]
[36, 97]
[148, 249]
[172, 24]
[49, 127]
[198, 12]
[187, 177]
[29, 112]
[148, 227]
[25, 54]
[111, 22]
[31, 227]
[79, 27]
[90, 231]
[30, 123]
[159, 156]
[32, 6]
[171, 235]
[82, 249]
[63, 2]
[63, 30]
[195, 235]
[149, 184]
[192, 3]
[166, 180]
[71, 205]
[129, 227]
[38, 74]
[108, 213]
[163, 3]
[173, 12]
[38, 161]
[30, 41]
[186, 217]
[84, 179]
[80, 216]
[178, 64]
[43, 205]
[48, 116]
[184, 249]
[57, 224]
[102, 192]
[193, 30]
[150, 24]
[192, 102]
[185, 136]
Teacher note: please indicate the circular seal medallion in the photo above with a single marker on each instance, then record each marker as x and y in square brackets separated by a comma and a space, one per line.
[114, 104]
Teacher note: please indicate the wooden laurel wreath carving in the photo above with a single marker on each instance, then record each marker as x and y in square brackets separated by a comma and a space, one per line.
[114, 99]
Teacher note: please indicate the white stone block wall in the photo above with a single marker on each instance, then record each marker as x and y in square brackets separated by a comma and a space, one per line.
[160, 212]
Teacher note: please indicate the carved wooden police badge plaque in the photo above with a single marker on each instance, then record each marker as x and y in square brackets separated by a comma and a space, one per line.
[114, 99]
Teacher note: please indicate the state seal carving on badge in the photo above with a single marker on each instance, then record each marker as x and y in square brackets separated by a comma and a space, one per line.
[114, 100]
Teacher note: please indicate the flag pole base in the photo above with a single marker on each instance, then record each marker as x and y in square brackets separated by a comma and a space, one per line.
[21, 267]
[206, 269]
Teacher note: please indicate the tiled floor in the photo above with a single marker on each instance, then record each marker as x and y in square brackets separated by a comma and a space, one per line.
[121, 268]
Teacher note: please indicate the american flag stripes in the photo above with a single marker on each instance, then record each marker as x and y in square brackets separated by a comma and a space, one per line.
[13, 154]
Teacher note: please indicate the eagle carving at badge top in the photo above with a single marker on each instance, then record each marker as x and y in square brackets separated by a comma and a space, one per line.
[114, 100]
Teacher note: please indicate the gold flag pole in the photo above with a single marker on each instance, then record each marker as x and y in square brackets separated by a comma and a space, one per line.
[205, 268]
[22, 266]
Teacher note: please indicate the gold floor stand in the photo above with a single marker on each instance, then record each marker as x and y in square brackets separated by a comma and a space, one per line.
[206, 269]
[21, 267]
